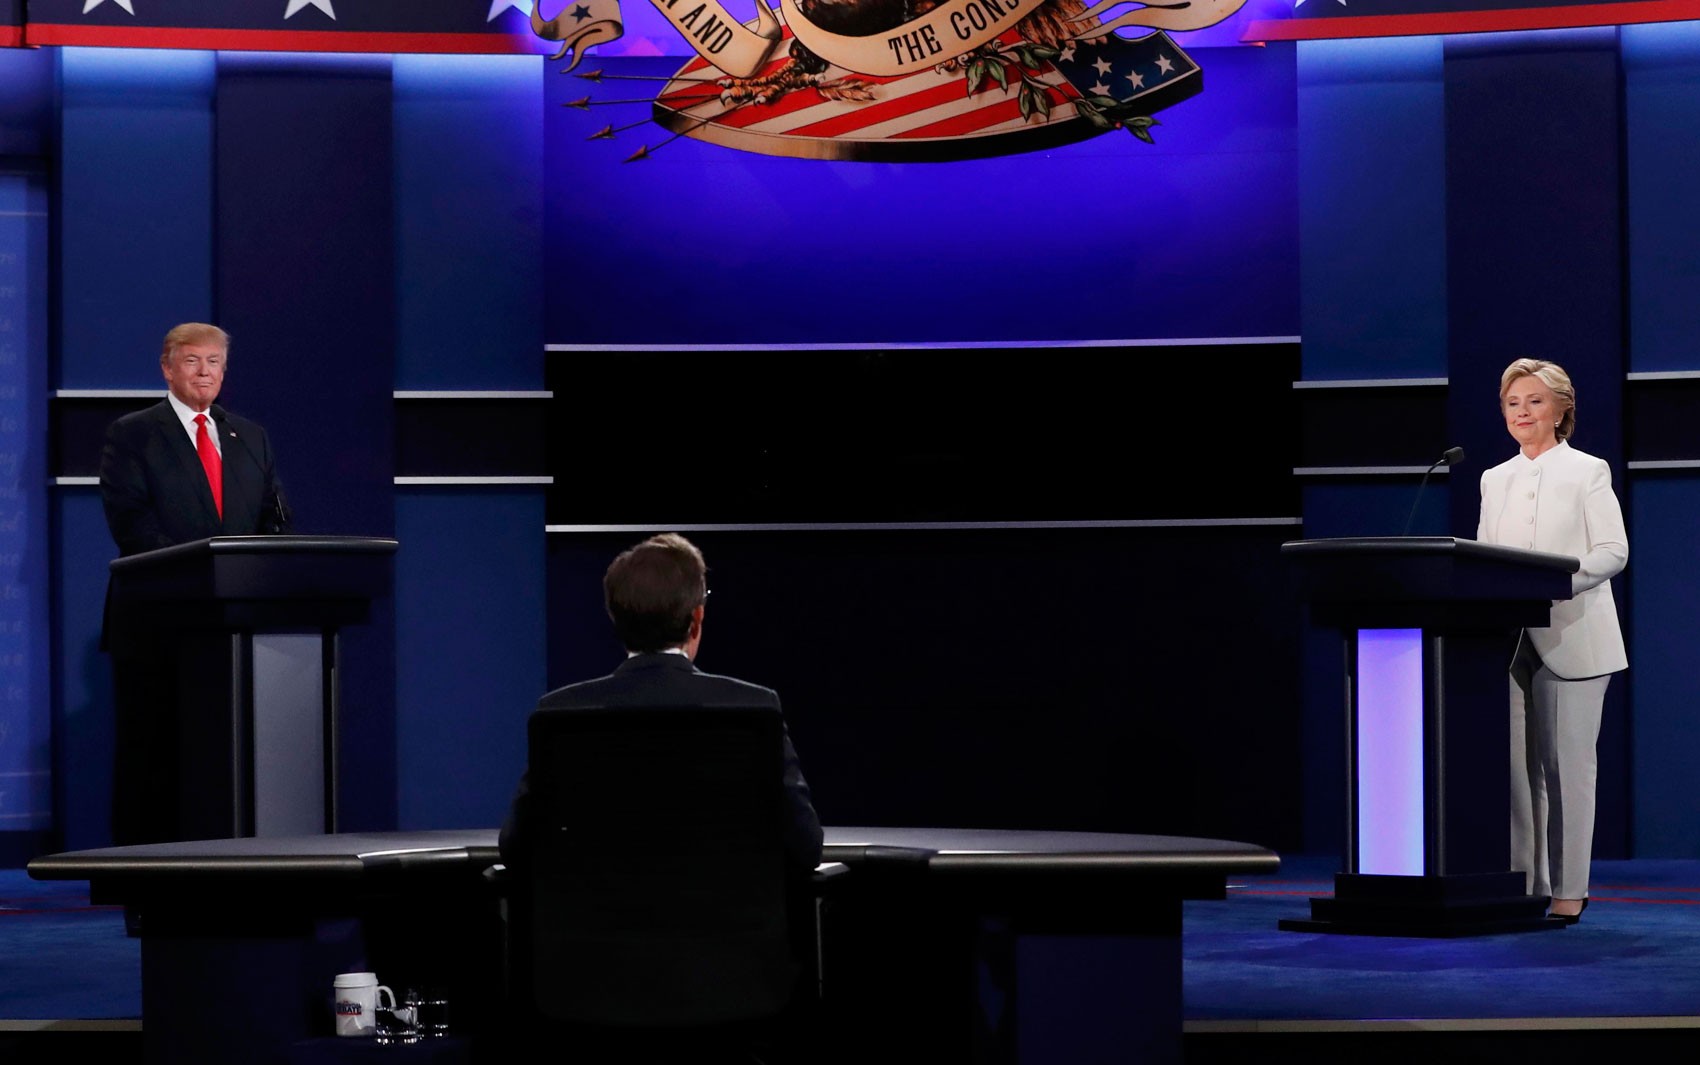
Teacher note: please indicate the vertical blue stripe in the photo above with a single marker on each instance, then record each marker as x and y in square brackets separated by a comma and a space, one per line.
[306, 286]
[83, 714]
[136, 209]
[1664, 686]
[1535, 257]
[1372, 208]
[468, 207]
[1661, 70]
[470, 620]
[25, 688]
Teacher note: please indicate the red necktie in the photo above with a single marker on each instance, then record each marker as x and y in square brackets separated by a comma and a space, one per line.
[210, 462]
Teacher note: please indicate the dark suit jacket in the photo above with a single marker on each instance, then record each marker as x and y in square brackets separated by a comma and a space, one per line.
[156, 493]
[672, 680]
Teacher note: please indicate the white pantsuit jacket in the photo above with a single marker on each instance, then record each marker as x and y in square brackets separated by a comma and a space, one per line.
[1574, 512]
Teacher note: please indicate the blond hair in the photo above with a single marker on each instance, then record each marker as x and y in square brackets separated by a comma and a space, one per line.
[1558, 383]
[192, 333]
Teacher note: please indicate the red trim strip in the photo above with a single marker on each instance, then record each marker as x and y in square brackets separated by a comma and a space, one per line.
[38, 33]
[11, 36]
[1630, 13]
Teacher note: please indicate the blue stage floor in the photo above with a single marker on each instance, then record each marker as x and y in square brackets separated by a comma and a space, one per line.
[1636, 954]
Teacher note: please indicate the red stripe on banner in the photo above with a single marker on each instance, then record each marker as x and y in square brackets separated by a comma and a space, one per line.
[279, 40]
[11, 37]
[793, 102]
[1631, 13]
[875, 113]
[974, 121]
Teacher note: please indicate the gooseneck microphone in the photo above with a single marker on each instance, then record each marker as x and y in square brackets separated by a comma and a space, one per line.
[1452, 457]
[279, 515]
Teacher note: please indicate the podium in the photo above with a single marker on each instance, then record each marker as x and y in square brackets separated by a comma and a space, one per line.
[251, 625]
[1427, 623]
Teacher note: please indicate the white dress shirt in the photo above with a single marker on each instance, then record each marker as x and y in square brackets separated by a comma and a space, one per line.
[186, 414]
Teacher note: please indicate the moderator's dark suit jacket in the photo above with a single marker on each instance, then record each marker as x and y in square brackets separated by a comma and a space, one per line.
[156, 493]
[672, 680]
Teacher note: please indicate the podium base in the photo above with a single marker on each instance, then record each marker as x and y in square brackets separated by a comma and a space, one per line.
[1434, 907]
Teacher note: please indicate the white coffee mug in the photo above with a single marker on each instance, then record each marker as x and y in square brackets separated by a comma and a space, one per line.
[357, 999]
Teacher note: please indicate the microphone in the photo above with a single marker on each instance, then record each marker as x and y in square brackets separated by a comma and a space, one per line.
[1452, 457]
[279, 512]
[280, 506]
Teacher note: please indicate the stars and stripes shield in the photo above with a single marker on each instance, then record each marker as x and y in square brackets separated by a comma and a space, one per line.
[1008, 97]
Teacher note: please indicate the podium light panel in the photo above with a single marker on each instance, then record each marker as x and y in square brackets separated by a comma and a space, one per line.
[1390, 751]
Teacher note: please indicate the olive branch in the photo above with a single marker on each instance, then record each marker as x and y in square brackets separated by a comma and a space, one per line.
[1104, 112]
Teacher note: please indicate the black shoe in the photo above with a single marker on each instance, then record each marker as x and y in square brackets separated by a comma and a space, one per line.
[1571, 918]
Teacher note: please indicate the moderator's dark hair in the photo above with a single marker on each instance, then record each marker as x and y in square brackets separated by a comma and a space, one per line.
[651, 589]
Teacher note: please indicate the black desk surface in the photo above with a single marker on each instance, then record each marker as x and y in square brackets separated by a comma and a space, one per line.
[353, 856]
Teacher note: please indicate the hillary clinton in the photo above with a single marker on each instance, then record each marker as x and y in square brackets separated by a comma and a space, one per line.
[1552, 497]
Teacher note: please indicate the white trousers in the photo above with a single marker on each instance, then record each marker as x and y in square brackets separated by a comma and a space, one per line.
[1555, 725]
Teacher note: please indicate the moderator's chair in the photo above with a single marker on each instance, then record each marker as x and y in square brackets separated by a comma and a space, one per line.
[657, 911]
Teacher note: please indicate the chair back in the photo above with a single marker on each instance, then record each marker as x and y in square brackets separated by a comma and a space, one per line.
[658, 894]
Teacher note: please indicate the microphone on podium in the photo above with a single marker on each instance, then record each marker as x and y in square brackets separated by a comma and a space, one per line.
[1452, 457]
[278, 517]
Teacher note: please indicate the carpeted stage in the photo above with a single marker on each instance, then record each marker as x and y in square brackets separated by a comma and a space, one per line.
[1624, 985]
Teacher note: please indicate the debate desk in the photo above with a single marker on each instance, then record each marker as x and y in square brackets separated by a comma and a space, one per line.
[965, 945]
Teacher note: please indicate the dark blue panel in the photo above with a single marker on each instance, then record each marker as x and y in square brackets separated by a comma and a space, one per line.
[1535, 249]
[26, 101]
[1661, 70]
[469, 219]
[135, 218]
[470, 617]
[25, 639]
[1534, 241]
[82, 723]
[305, 278]
[306, 286]
[1378, 506]
[1112, 238]
[1664, 513]
[1373, 208]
